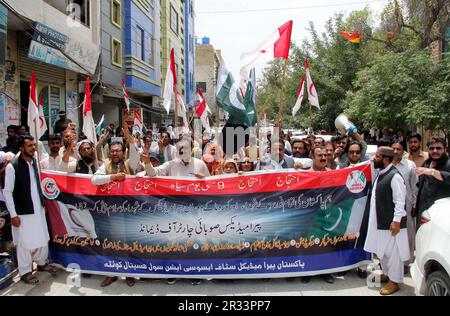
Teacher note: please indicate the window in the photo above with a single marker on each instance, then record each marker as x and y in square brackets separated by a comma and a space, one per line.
[116, 52]
[150, 51]
[173, 19]
[80, 11]
[77, 9]
[201, 86]
[140, 43]
[116, 15]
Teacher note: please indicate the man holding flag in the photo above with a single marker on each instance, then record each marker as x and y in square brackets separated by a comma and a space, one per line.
[36, 119]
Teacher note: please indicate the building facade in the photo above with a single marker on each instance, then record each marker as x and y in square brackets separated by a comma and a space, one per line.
[173, 36]
[189, 40]
[207, 64]
[130, 52]
[58, 40]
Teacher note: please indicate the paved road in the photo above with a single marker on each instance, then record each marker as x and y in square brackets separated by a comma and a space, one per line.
[348, 285]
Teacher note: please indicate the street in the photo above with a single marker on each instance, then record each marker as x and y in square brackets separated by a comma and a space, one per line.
[348, 285]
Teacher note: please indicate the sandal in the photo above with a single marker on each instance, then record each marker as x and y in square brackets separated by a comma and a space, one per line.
[130, 281]
[29, 278]
[48, 268]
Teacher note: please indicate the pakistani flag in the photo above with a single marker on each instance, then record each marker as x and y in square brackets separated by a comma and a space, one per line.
[250, 106]
[229, 98]
[333, 220]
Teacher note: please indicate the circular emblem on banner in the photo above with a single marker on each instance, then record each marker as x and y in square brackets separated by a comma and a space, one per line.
[356, 181]
[50, 188]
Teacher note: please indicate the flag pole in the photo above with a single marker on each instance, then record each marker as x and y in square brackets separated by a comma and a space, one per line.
[175, 112]
[310, 116]
[37, 142]
[282, 91]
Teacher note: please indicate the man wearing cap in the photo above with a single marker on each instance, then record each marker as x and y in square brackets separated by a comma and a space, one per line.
[59, 124]
[387, 236]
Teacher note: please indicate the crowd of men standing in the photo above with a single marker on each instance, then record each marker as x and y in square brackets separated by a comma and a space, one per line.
[408, 180]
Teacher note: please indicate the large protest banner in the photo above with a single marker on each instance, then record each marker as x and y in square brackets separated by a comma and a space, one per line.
[274, 224]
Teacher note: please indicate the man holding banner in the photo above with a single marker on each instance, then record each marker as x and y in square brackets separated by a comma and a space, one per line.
[387, 235]
[115, 169]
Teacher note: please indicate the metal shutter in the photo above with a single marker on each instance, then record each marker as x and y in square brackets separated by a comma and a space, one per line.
[44, 72]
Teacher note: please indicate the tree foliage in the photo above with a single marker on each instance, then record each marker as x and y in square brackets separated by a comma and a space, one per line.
[389, 80]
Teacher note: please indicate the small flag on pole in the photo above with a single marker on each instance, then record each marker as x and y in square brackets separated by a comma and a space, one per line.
[138, 123]
[100, 126]
[170, 85]
[88, 120]
[277, 45]
[202, 111]
[313, 97]
[125, 96]
[36, 120]
[300, 95]
[354, 37]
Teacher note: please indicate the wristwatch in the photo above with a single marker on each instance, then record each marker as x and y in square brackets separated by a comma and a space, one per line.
[432, 172]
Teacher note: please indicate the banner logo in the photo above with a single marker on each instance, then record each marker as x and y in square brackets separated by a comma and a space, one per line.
[50, 188]
[356, 181]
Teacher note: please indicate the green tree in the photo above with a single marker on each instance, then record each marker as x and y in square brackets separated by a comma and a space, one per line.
[398, 89]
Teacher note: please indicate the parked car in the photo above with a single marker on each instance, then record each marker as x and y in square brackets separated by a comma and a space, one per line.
[431, 268]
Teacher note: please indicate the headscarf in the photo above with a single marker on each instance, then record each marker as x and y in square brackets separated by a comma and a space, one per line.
[226, 162]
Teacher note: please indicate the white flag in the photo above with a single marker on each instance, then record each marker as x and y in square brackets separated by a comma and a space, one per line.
[88, 120]
[36, 120]
[171, 82]
[300, 95]
[313, 97]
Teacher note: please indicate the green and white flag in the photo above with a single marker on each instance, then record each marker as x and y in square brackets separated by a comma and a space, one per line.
[229, 98]
[100, 127]
[250, 102]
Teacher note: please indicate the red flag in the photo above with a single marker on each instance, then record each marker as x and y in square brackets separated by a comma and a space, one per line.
[300, 95]
[313, 97]
[35, 120]
[202, 111]
[88, 120]
[277, 45]
[125, 96]
[354, 37]
[170, 86]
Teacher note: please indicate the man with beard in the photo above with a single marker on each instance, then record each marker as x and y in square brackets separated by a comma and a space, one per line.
[434, 176]
[183, 166]
[24, 200]
[407, 169]
[11, 141]
[53, 162]
[342, 158]
[354, 154]
[166, 150]
[115, 169]
[415, 154]
[300, 149]
[387, 235]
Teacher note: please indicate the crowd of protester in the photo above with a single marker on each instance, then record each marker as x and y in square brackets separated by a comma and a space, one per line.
[122, 152]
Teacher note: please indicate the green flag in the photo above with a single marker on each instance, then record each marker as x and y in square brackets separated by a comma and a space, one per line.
[229, 98]
[333, 220]
[100, 127]
[250, 107]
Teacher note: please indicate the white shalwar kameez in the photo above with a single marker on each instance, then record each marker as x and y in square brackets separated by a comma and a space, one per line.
[392, 251]
[31, 237]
